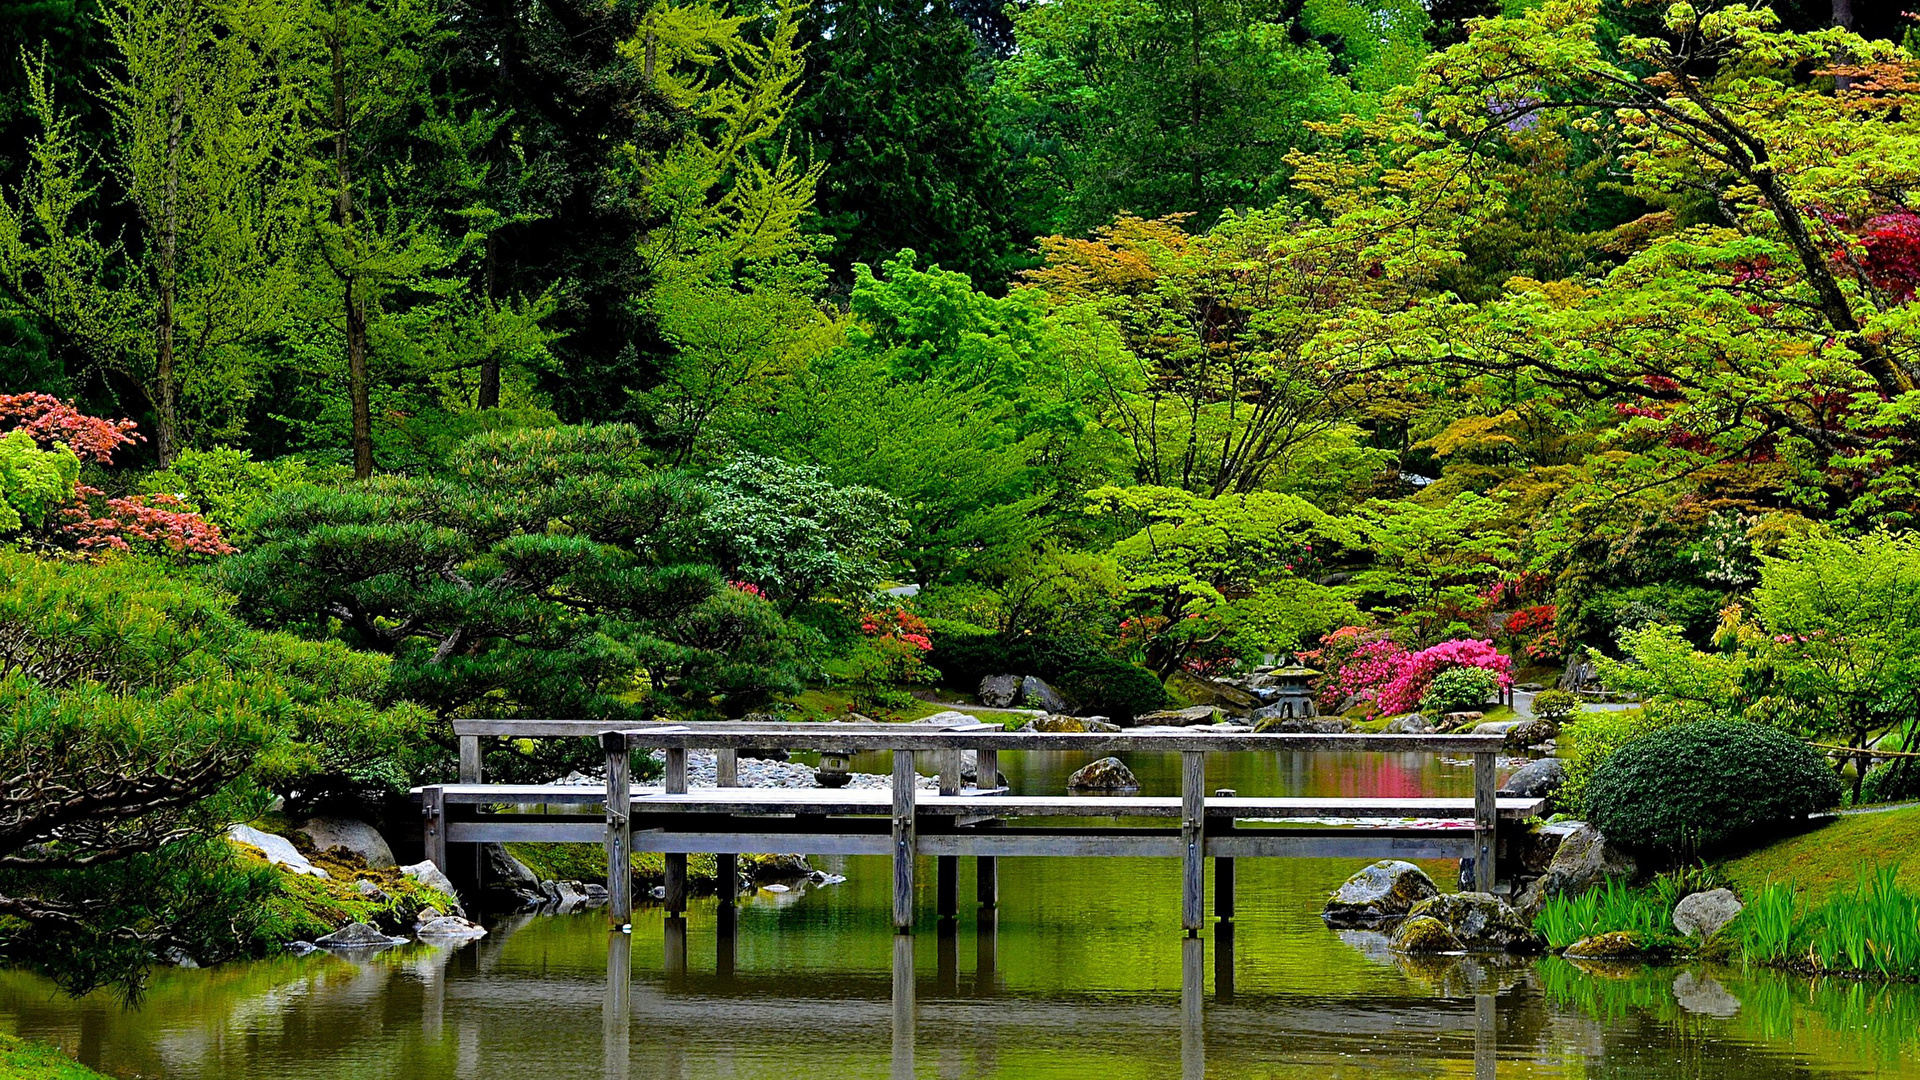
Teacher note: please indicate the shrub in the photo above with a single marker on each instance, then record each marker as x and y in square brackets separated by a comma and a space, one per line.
[1112, 687]
[1703, 785]
[1555, 704]
[1890, 781]
[1588, 739]
[1095, 679]
[1458, 689]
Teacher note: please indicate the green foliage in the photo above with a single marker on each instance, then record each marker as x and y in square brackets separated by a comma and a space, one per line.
[227, 486]
[1458, 689]
[1614, 907]
[553, 572]
[792, 533]
[1705, 785]
[33, 481]
[1430, 562]
[1555, 704]
[1068, 659]
[21, 1060]
[1872, 928]
[1890, 781]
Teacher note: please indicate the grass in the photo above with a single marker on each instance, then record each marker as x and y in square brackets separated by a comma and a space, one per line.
[1826, 861]
[1871, 928]
[1617, 907]
[22, 1060]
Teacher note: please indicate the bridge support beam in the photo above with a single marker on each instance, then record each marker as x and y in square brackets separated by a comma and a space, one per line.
[1193, 817]
[905, 781]
[619, 836]
[1486, 840]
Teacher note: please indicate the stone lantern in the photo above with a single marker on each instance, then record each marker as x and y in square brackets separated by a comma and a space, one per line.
[835, 769]
[1293, 692]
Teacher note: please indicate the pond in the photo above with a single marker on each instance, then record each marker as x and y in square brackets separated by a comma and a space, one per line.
[1083, 973]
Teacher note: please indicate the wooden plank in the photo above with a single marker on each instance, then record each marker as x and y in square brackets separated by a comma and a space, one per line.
[986, 772]
[522, 728]
[619, 831]
[950, 772]
[526, 794]
[502, 829]
[469, 759]
[433, 808]
[1366, 844]
[986, 869]
[726, 875]
[873, 801]
[726, 767]
[905, 783]
[763, 843]
[912, 737]
[1486, 818]
[1193, 819]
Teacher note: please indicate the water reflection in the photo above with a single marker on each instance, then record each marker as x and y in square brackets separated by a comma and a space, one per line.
[1080, 972]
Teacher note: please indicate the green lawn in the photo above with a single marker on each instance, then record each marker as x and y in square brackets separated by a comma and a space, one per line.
[21, 1060]
[1828, 858]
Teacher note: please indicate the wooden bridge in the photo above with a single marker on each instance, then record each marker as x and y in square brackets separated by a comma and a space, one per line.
[985, 823]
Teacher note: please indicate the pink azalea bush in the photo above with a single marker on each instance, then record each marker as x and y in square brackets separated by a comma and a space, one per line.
[1369, 665]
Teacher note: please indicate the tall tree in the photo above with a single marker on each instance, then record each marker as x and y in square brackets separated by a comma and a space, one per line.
[894, 108]
[203, 114]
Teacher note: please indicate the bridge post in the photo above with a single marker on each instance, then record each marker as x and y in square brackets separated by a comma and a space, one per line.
[1486, 842]
[904, 783]
[433, 807]
[469, 759]
[1193, 818]
[726, 865]
[676, 864]
[619, 841]
[986, 870]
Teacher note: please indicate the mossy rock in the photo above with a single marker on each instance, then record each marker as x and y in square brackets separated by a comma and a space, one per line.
[1483, 922]
[1384, 890]
[1058, 725]
[1616, 945]
[1425, 934]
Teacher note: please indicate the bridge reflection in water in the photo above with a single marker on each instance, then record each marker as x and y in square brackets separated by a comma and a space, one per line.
[618, 1010]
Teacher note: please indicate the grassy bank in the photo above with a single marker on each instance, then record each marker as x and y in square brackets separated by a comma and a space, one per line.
[1825, 861]
[22, 1060]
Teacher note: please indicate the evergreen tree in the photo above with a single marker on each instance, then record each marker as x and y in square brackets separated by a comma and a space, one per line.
[894, 108]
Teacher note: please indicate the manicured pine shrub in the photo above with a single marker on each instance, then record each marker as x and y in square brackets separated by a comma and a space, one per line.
[1705, 785]
[1457, 690]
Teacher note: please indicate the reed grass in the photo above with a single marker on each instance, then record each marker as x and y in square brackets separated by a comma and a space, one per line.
[1615, 907]
[1872, 928]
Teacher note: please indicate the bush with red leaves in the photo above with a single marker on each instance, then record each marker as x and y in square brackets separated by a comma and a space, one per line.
[1892, 259]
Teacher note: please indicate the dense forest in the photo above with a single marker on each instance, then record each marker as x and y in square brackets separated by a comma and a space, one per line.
[366, 364]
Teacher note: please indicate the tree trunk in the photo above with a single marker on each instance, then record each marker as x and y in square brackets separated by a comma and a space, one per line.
[1193, 108]
[352, 296]
[166, 411]
[1842, 20]
[490, 363]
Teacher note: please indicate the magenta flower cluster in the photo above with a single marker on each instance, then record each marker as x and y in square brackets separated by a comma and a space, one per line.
[1394, 678]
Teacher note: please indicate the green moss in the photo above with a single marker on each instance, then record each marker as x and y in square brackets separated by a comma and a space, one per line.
[301, 908]
[588, 862]
[22, 1060]
[1827, 860]
[820, 704]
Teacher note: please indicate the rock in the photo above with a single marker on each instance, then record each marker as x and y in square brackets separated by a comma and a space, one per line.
[371, 891]
[1303, 725]
[1387, 889]
[1702, 914]
[1482, 727]
[1703, 994]
[776, 888]
[1578, 676]
[300, 948]
[179, 958]
[1532, 733]
[278, 850]
[1410, 724]
[1482, 922]
[782, 868]
[1349, 703]
[1056, 725]
[1100, 724]
[596, 892]
[1618, 945]
[428, 912]
[949, 717]
[501, 870]
[1107, 774]
[1424, 934]
[1585, 860]
[999, 691]
[449, 926]
[564, 895]
[357, 936]
[1036, 694]
[1227, 728]
[1198, 714]
[1536, 779]
[356, 837]
[429, 875]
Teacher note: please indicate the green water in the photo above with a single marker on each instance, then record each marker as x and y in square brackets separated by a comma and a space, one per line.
[1085, 974]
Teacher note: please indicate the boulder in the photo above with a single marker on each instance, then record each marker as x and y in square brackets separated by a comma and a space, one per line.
[1584, 861]
[564, 895]
[429, 875]
[1410, 724]
[1617, 945]
[1100, 724]
[1205, 691]
[357, 936]
[1424, 934]
[947, 718]
[356, 837]
[1702, 914]
[1036, 694]
[278, 850]
[1055, 725]
[507, 880]
[448, 927]
[1197, 714]
[999, 691]
[1482, 727]
[1303, 725]
[1482, 922]
[371, 891]
[1703, 994]
[1532, 733]
[1385, 890]
[781, 868]
[1536, 779]
[1107, 774]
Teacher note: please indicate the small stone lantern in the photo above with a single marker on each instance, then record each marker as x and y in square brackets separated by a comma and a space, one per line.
[1294, 697]
[835, 769]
